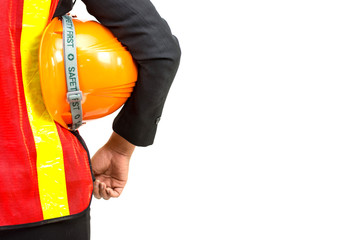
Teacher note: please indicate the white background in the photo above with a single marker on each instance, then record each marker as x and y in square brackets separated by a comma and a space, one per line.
[259, 138]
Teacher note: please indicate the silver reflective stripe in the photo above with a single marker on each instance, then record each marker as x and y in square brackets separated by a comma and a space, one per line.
[74, 95]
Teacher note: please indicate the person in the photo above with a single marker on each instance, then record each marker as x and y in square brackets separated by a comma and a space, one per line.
[25, 143]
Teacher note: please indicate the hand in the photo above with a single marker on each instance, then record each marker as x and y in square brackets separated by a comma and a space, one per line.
[110, 166]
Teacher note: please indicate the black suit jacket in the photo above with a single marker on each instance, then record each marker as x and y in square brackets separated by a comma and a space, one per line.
[137, 24]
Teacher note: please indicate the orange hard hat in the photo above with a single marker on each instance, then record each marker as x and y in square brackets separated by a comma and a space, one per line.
[106, 71]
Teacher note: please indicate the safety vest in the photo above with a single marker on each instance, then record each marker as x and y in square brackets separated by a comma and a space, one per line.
[45, 172]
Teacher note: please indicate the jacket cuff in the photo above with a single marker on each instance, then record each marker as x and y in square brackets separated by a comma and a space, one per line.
[134, 130]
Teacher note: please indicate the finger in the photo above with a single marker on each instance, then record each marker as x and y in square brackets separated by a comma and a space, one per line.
[103, 193]
[97, 189]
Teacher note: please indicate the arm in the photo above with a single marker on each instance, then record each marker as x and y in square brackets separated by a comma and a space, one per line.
[156, 51]
[137, 24]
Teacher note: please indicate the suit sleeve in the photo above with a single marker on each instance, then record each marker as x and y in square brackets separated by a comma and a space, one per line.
[137, 24]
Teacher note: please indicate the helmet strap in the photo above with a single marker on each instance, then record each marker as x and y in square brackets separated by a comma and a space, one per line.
[74, 95]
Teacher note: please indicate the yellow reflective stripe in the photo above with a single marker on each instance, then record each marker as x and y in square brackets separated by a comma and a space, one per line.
[50, 162]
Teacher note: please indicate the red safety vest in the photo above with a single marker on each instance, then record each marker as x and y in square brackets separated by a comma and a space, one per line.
[44, 169]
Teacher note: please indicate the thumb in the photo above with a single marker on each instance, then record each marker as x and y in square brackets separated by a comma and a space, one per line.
[114, 193]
